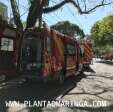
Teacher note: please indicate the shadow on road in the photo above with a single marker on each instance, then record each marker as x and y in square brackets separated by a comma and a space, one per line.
[32, 91]
[92, 109]
[105, 62]
[89, 69]
[107, 108]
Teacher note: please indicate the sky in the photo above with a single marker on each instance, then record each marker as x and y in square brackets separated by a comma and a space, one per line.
[67, 12]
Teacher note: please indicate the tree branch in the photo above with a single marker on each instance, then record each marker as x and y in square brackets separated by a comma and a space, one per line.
[97, 6]
[37, 9]
[90, 10]
[55, 7]
[76, 5]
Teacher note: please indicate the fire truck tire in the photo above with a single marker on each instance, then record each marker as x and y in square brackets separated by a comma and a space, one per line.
[45, 80]
[61, 77]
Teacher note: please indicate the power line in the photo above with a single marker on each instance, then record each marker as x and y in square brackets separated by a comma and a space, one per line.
[73, 15]
[58, 17]
[53, 17]
[23, 7]
[48, 21]
[52, 1]
[24, 13]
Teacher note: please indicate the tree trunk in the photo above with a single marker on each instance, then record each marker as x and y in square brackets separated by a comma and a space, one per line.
[34, 13]
[16, 15]
[40, 20]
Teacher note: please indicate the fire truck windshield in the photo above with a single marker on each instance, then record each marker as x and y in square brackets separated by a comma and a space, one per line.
[31, 52]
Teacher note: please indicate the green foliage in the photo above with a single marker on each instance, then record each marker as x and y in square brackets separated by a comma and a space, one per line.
[1, 10]
[102, 34]
[68, 28]
[24, 24]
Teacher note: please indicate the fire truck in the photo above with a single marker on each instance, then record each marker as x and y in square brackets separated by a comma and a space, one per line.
[46, 53]
[40, 53]
[108, 56]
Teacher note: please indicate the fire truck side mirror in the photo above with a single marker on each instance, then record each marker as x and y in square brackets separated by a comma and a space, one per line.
[81, 53]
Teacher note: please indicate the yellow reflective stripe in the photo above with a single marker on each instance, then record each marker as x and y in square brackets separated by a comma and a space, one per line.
[58, 43]
[73, 67]
[86, 46]
[88, 54]
[88, 50]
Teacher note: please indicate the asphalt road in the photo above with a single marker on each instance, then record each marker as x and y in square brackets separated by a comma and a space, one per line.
[95, 85]
[94, 88]
[21, 90]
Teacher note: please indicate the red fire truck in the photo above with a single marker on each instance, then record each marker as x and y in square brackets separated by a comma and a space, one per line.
[48, 53]
[39, 53]
[107, 56]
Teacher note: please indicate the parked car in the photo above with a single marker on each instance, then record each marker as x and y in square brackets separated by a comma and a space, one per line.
[107, 57]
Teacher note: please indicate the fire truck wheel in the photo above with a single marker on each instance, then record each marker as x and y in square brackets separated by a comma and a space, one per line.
[61, 78]
[45, 80]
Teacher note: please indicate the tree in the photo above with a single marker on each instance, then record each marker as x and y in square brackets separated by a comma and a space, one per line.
[16, 15]
[39, 7]
[95, 33]
[102, 33]
[68, 28]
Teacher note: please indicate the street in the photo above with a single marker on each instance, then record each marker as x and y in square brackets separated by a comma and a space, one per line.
[96, 86]
[56, 55]
[90, 86]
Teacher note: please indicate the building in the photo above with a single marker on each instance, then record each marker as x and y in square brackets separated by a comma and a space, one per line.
[3, 11]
